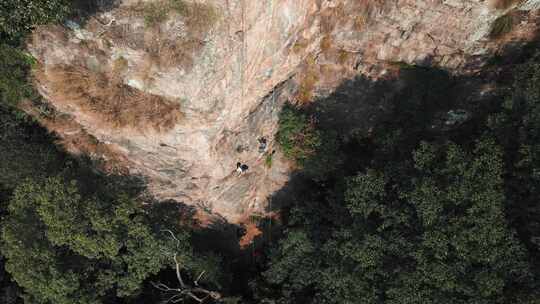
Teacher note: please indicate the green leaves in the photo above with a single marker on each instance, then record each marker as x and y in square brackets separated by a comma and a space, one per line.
[460, 202]
[19, 17]
[297, 135]
[295, 261]
[315, 151]
[364, 194]
[63, 248]
[429, 216]
[439, 236]
[14, 72]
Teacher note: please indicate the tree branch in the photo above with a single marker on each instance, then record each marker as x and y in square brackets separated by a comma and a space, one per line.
[193, 291]
[199, 277]
[178, 275]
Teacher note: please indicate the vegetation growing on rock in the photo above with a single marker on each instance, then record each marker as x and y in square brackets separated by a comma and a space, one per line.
[427, 206]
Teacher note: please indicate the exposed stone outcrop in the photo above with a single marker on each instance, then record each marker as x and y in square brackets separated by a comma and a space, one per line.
[231, 64]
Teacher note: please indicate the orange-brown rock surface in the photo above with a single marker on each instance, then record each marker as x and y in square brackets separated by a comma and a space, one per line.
[182, 93]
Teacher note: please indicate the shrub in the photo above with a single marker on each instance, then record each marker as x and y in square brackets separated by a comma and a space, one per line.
[120, 65]
[300, 45]
[268, 160]
[167, 47]
[64, 247]
[326, 44]
[24, 151]
[297, 135]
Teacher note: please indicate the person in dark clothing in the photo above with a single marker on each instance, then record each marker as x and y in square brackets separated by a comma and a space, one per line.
[241, 168]
[262, 145]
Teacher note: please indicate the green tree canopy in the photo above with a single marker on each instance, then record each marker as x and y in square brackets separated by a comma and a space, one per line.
[438, 237]
[62, 247]
[438, 211]
[18, 17]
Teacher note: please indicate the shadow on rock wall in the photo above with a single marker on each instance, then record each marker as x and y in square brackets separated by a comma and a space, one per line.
[419, 103]
[87, 8]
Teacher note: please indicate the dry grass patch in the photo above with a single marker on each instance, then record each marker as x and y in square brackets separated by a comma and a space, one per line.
[343, 56]
[126, 35]
[109, 99]
[310, 77]
[307, 85]
[155, 13]
[75, 140]
[174, 30]
[199, 17]
[180, 52]
[503, 4]
[326, 44]
[171, 50]
[330, 18]
[119, 66]
[300, 45]
[502, 26]
[365, 10]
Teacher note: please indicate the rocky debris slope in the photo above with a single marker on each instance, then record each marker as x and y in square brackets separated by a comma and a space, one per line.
[178, 92]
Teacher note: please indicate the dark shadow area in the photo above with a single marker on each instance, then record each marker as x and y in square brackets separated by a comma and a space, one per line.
[418, 100]
[363, 117]
[164, 214]
[428, 103]
[222, 238]
[83, 9]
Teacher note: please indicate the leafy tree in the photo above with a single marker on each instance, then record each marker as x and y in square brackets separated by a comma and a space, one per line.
[314, 150]
[467, 252]
[62, 247]
[433, 215]
[26, 151]
[516, 125]
[18, 17]
[14, 72]
[439, 236]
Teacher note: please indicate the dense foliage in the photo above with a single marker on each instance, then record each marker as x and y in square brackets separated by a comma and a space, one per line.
[18, 17]
[14, 69]
[438, 207]
[63, 248]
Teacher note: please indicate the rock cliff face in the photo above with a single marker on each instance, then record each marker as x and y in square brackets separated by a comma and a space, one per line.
[178, 92]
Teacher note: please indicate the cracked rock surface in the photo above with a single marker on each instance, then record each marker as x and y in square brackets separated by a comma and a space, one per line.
[232, 69]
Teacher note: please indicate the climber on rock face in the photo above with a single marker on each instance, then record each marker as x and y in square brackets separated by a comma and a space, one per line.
[241, 168]
[262, 144]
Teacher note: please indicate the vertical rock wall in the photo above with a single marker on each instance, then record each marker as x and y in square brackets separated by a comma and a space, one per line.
[228, 66]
